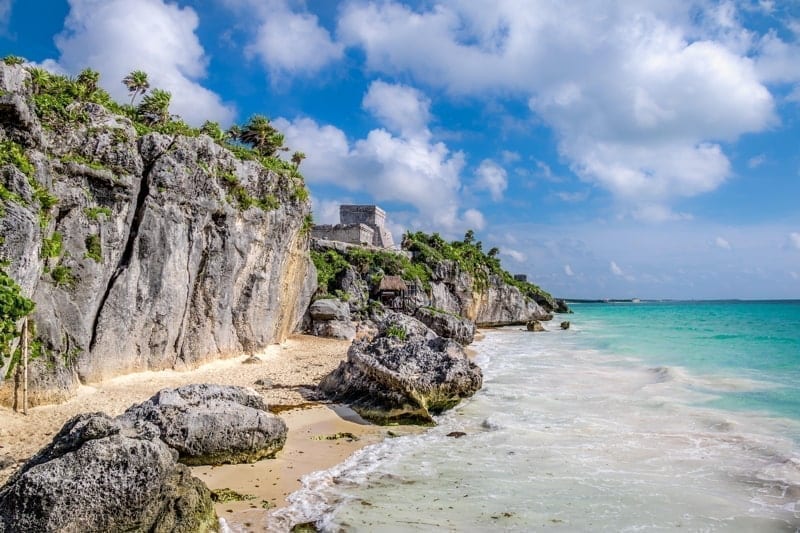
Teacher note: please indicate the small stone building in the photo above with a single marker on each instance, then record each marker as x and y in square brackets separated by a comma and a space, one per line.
[358, 224]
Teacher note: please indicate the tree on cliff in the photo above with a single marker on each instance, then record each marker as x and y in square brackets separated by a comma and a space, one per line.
[262, 136]
[89, 79]
[154, 108]
[137, 83]
[297, 158]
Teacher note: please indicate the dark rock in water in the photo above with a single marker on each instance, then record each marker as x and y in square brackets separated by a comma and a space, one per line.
[456, 434]
[405, 375]
[565, 324]
[562, 307]
[101, 474]
[213, 424]
[305, 527]
[534, 325]
[447, 324]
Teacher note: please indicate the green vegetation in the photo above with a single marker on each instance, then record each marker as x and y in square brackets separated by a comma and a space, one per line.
[308, 224]
[62, 276]
[80, 160]
[94, 248]
[13, 60]
[52, 246]
[93, 213]
[13, 307]
[397, 332]
[469, 256]
[137, 83]
[329, 264]
[229, 495]
[13, 154]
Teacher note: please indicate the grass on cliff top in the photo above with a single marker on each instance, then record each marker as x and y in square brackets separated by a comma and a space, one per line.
[468, 255]
[59, 102]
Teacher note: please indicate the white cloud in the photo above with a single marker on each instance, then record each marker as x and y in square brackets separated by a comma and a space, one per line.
[644, 121]
[290, 43]
[402, 109]
[756, 161]
[516, 255]
[658, 213]
[115, 37]
[326, 211]
[510, 156]
[794, 240]
[615, 269]
[572, 197]
[409, 167]
[491, 177]
[719, 242]
[568, 271]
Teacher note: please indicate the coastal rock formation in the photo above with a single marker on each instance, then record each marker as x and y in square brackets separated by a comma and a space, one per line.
[213, 424]
[141, 252]
[496, 303]
[534, 325]
[565, 324]
[447, 325]
[405, 374]
[101, 474]
[331, 318]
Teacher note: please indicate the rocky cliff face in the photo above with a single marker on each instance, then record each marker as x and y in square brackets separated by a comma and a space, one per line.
[150, 256]
[490, 303]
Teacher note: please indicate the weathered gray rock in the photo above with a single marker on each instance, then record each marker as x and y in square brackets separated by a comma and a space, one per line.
[329, 309]
[355, 288]
[101, 474]
[334, 329]
[182, 273]
[405, 375]
[565, 324]
[534, 325]
[447, 325]
[562, 307]
[493, 304]
[213, 424]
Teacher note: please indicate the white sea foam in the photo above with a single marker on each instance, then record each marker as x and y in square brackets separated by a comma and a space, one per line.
[567, 437]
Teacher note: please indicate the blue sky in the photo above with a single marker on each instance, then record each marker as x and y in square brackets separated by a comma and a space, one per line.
[609, 149]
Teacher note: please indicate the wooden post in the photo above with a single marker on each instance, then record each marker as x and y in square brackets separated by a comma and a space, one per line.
[25, 367]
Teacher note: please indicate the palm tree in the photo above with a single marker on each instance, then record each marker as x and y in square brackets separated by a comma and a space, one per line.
[137, 83]
[89, 79]
[297, 158]
[154, 108]
[233, 133]
[40, 79]
[260, 134]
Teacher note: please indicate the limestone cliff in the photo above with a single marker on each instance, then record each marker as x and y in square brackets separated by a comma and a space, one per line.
[142, 251]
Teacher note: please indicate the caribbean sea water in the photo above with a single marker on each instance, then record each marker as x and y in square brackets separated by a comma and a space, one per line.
[640, 417]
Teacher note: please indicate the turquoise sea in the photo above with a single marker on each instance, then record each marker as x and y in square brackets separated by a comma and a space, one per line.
[640, 417]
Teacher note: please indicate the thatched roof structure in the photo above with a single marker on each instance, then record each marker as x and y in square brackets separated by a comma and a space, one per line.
[393, 283]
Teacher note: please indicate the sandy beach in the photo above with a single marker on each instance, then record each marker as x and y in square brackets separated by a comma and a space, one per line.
[320, 435]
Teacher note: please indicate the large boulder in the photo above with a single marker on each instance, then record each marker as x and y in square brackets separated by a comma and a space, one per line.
[329, 309]
[213, 424]
[334, 329]
[447, 324]
[102, 474]
[406, 374]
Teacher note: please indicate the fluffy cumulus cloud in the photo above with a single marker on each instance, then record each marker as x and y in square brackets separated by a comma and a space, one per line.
[719, 242]
[289, 42]
[118, 36]
[491, 177]
[407, 166]
[568, 271]
[639, 102]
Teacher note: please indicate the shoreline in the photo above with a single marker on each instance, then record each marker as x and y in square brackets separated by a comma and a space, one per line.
[284, 376]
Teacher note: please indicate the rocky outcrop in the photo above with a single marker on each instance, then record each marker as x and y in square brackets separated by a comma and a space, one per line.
[534, 325]
[565, 324]
[406, 374]
[150, 258]
[488, 304]
[562, 307]
[447, 325]
[330, 317]
[213, 424]
[101, 474]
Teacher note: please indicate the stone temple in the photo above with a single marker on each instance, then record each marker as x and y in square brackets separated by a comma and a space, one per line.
[358, 224]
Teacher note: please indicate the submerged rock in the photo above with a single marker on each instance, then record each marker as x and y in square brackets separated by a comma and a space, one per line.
[102, 474]
[405, 374]
[447, 324]
[565, 324]
[213, 424]
[534, 325]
